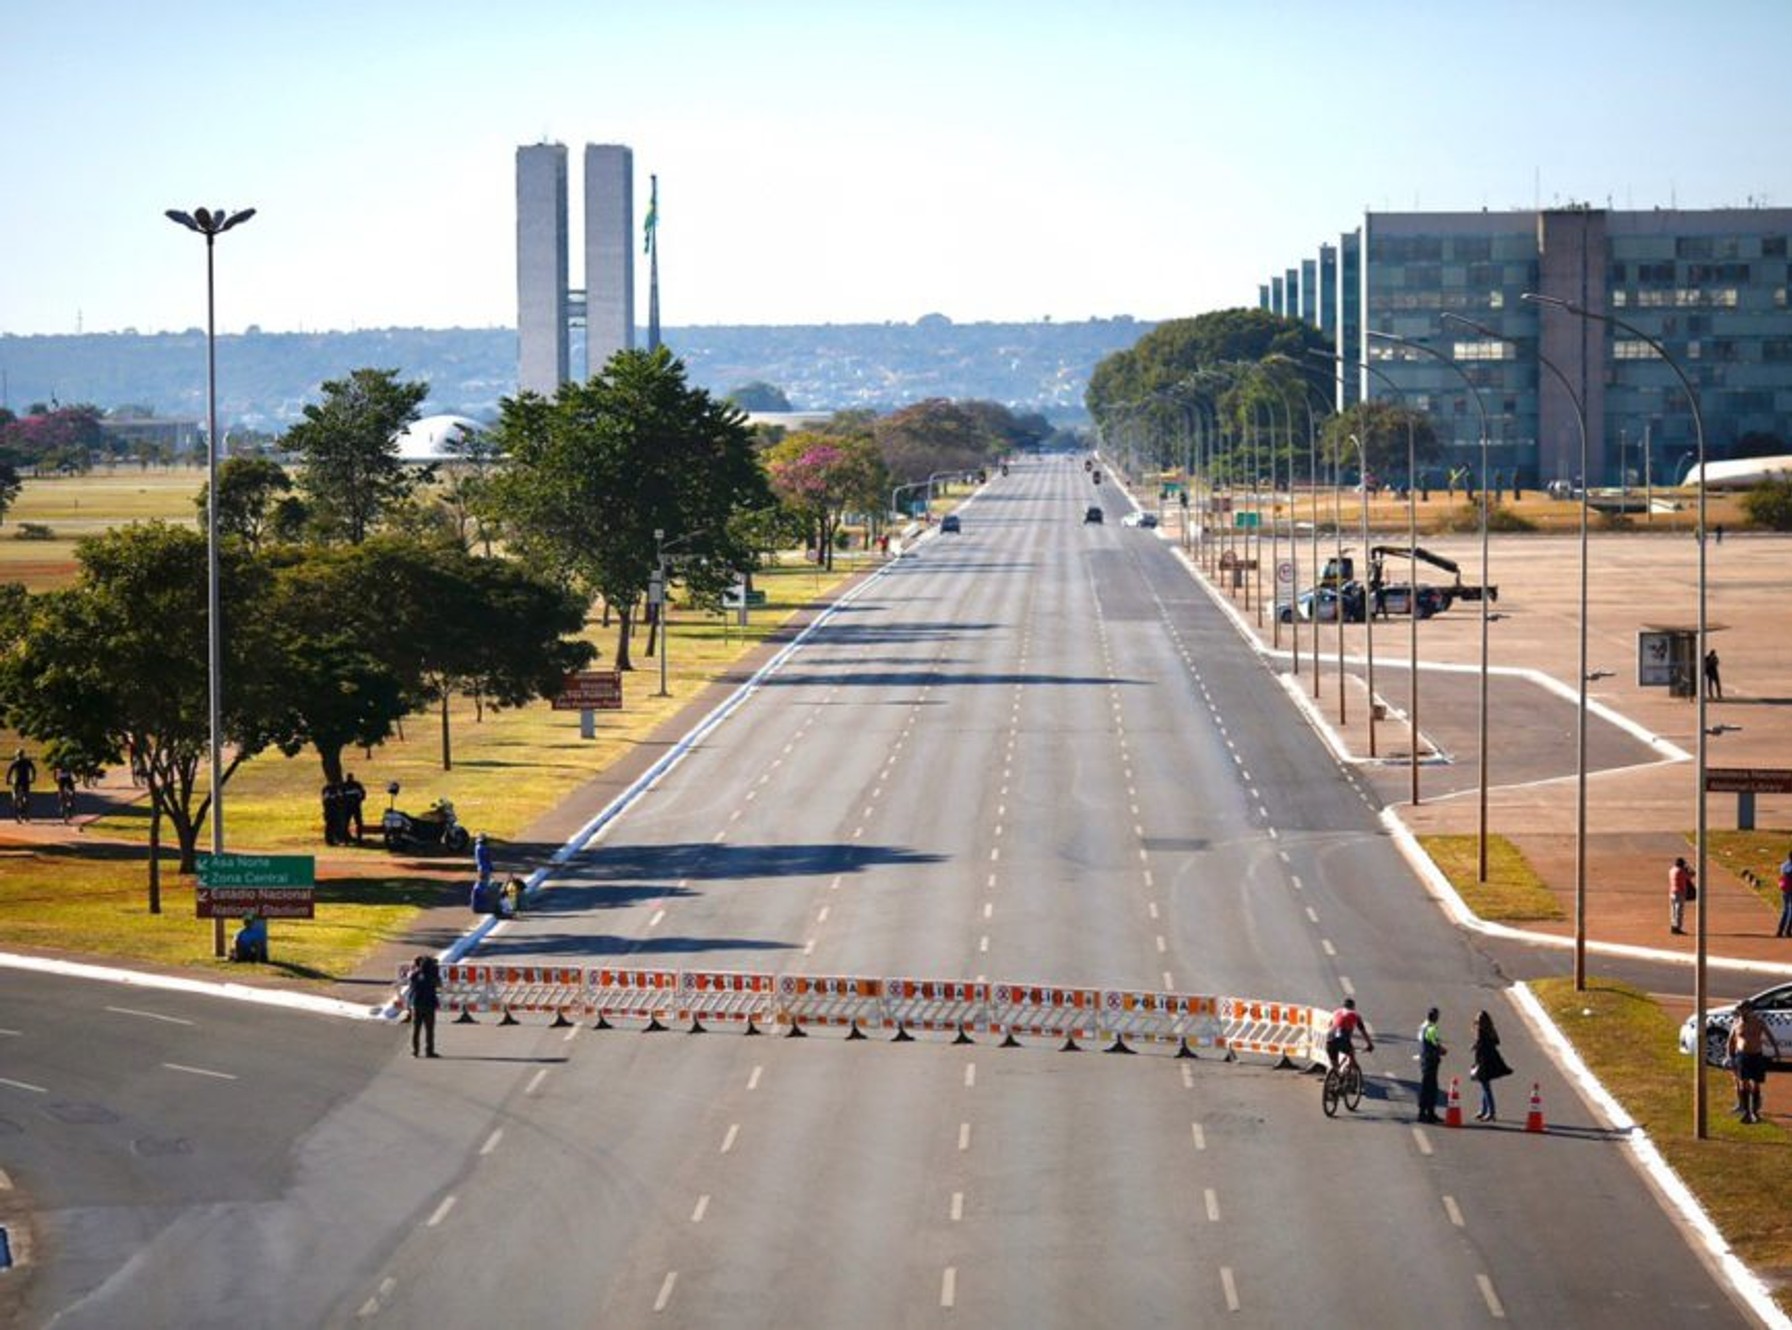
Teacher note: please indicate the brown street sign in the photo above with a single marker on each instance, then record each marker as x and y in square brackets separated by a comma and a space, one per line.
[1748, 780]
[591, 690]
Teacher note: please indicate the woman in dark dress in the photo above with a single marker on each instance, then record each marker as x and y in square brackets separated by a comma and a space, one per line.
[1488, 1066]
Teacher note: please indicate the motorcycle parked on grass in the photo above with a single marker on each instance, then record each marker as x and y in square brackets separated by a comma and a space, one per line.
[416, 831]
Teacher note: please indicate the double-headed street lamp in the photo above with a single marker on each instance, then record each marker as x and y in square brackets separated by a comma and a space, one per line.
[1580, 739]
[212, 223]
[1700, 993]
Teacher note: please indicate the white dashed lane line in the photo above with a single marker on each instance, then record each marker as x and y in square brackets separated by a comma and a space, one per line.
[440, 1213]
[200, 1071]
[660, 1303]
[701, 1210]
[23, 1085]
[149, 1015]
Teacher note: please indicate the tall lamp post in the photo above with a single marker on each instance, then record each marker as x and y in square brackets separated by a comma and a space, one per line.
[212, 223]
[1481, 737]
[1700, 993]
[1580, 737]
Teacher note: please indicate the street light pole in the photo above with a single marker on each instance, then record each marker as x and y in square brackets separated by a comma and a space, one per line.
[1580, 737]
[212, 223]
[1700, 992]
[1481, 737]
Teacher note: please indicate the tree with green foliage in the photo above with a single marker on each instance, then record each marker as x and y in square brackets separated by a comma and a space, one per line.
[1769, 503]
[940, 435]
[594, 472]
[10, 485]
[116, 665]
[823, 478]
[249, 490]
[351, 473]
[1174, 350]
[1382, 428]
[759, 396]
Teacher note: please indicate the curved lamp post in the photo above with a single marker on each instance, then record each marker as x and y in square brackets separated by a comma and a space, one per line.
[1580, 736]
[1308, 390]
[212, 223]
[1412, 606]
[1481, 736]
[1700, 993]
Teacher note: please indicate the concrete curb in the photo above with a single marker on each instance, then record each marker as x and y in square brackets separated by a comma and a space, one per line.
[267, 997]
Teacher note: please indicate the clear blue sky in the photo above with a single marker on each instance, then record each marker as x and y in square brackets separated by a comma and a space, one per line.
[837, 161]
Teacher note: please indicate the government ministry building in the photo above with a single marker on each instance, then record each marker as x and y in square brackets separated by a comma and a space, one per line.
[1709, 286]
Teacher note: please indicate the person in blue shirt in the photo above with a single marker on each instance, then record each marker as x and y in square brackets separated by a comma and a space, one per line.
[251, 943]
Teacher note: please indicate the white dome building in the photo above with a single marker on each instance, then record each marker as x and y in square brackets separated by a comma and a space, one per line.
[433, 438]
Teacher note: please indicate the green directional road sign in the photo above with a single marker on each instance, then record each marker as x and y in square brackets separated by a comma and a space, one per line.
[257, 870]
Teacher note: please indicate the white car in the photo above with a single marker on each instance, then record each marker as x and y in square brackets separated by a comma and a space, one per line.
[1775, 1006]
[1139, 518]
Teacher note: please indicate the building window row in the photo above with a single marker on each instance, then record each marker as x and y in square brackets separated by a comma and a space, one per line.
[1679, 297]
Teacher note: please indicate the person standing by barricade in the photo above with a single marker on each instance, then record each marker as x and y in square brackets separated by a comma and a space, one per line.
[1489, 1064]
[1681, 889]
[422, 996]
[1431, 1060]
[354, 795]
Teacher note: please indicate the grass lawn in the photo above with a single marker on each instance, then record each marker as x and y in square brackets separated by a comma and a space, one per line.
[1741, 1174]
[1512, 892]
[1753, 856]
[87, 893]
[75, 506]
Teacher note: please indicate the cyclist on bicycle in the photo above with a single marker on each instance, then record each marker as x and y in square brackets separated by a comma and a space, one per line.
[20, 777]
[1340, 1037]
[65, 792]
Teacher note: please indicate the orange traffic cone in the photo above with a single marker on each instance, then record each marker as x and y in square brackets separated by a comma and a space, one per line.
[1534, 1119]
[1453, 1108]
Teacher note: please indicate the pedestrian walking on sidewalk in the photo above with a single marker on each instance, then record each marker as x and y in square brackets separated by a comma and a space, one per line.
[1747, 1035]
[1431, 1058]
[1785, 928]
[1488, 1066]
[1680, 890]
[1714, 687]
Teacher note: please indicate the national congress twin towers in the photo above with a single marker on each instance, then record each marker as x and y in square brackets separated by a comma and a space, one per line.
[546, 305]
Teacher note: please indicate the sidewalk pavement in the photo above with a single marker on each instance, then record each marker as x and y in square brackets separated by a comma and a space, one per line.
[1642, 800]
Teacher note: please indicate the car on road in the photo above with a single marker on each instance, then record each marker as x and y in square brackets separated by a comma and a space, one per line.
[1398, 598]
[1775, 1006]
[949, 523]
[1092, 514]
[1146, 520]
[1320, 604]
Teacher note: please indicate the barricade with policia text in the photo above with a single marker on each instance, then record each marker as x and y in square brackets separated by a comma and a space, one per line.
[1120, 1020]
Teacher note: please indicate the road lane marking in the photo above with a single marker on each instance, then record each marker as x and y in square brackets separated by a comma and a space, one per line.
[989, 908]
[964, 1136]
[821, 915]
[992, 881]
[970, 1075]
[1162, 946]
[1200, 1135]
[1148, 879]
[199, 1071]
[949, 1286]
[1312, 915]
[1453, 1211]
[701, 1210]
[753, 1080]
[1151, 907]
[995, 854]
[1213, 1206]
[23, 1085]
[149, 1015]
[441, 1212]
[1294, 882]
[809, 947]
[14, 1033]
[1169, 983]
[659, 1303]
[491, 1142]
[1423, 1144]
[957, 1206]
[983, 943]
[728, 1140]
[657, 916]
[1230, 1287]
[1326, 943]
[535, 1081]
[1345, 984]
[1491, 1298]
[998, 830]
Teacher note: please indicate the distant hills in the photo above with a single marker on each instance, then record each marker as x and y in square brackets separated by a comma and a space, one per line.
[265, 379]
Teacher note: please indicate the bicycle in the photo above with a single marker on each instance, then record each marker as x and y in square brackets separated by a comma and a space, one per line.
[21, 801]
[65, 802]
[1343, 1084]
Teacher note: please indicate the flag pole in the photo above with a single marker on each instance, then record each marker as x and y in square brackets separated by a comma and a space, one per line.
[653, 265]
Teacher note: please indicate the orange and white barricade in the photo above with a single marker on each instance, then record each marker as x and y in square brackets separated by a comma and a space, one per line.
[643, 995]
[1266, 1029]
[739, 997]
[556, 989]
[849, 1001]
[946, 1006]
[1038, 1009]
[1157, 1017]
[466, 989]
